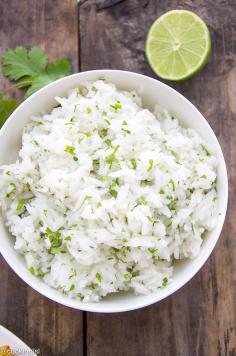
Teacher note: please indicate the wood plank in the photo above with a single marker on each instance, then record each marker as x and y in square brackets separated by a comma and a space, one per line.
[52, 25]
[200, 319]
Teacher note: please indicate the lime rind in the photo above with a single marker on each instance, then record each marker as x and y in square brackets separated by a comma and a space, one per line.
[160, 37]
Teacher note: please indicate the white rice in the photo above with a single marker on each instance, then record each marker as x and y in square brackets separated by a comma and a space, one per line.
[106, 195]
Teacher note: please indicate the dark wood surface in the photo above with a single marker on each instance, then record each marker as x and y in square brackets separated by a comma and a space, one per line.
[200, 319]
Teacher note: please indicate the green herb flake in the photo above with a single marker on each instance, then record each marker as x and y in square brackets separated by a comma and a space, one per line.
[55, 250]
[55, 240]
[107, 121]
[99, 277]
[151, 164]
[21, 204]
[110, 159]
[142, 201]
[31, 270]
[116, 106]
[89, 110]
[70, 150]
[127, 276]
[171, 206]
[134, 163]
[67, 238]
[108, 143]
[94, 89]
[126, 131]
[87, 197]
[103, 178]
[152, 250]
[96, 164]
[113, 193]
[169, 197]
[165, 282]
[87, 134]
[93, 286]
[172, 183]
[102, 133]
[205, 150]
[124, 123]
[203, 176]
[72, 287]
[161, 191]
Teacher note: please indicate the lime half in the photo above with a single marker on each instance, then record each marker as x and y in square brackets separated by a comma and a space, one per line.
[178, 45]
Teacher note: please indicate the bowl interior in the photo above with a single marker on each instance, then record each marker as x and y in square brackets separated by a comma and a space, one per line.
[153, 92]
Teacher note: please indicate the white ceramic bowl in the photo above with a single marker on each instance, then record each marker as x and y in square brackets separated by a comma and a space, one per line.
[153, 92]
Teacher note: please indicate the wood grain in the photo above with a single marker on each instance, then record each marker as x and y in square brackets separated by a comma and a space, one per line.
[52, 25]
[200, 319]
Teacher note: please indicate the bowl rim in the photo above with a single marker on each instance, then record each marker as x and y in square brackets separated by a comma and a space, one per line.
[154, 298]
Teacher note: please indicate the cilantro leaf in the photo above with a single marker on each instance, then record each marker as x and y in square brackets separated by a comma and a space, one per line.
[7, 106]
[20, 62]
[55, 70]
[30, 68]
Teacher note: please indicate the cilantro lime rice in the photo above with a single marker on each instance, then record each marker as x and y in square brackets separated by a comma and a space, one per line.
[106, 195]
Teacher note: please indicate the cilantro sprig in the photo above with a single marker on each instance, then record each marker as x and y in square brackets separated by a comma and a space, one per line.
[30, 68]
[7, 106]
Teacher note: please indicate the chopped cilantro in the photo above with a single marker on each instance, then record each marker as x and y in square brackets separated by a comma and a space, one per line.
[127, 276]
[161, 191]
[206, 150]
[102, 133]
[93, 286]
[134, 163]
[21, 204]
[99, 277]
[110, 159]
[94, 89]
[114, 182]
[67, 238]
[103, 178]
[171, 206]
[172, 183]
[116, 106]
[152, 250]
[72, 287]
[142, 201]
[108, 143]
[87, 197]
[55, 239]
[165, 282]
[126, 131]
[89, 110]
[96, 164]
[70, 150]
[31, 270]
[151, 163]
[113, 193]
[107, 121]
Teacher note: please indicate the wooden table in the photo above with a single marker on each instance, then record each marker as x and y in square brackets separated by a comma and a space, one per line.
[200, 319]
